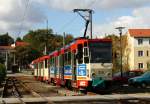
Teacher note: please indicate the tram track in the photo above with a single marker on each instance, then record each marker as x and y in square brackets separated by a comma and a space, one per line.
[11, 89]
[37, 93]
[10, 85]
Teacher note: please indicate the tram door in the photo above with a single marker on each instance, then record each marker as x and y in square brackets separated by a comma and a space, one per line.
[79, 55]
[74, 73]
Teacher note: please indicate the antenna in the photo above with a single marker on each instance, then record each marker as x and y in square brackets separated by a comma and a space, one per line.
[87, 18]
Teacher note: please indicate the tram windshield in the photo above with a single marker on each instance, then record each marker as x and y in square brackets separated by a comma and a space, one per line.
[100, 52]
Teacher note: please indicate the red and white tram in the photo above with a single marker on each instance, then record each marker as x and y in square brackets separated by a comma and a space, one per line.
[76, 64]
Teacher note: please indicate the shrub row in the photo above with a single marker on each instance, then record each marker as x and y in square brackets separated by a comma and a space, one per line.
[2, 72]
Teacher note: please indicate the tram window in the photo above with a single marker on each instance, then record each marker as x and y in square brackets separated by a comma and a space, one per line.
[46, 63]
[85, 44]
[86, 59]
[52, 61]
[85, 51]
[55, 61]
[61, 60]
[40, 65]
[37, 66]
[80, 54]
[69, 58]
[66, 61]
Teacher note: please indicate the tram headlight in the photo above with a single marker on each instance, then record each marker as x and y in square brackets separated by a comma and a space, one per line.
[82, 83]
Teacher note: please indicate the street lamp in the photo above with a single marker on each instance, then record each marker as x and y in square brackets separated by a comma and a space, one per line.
[120, 33]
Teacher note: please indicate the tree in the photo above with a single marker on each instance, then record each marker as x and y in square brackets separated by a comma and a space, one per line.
[25, 55]
[115, 51]
[19, 39]
[6, 40]
[41, 37]
[2, 72]
[37, 40]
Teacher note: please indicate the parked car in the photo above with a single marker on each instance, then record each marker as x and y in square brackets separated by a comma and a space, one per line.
[126, 75]
[142, 81]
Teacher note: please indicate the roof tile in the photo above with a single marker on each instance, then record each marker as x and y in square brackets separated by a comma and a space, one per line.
[139, 32]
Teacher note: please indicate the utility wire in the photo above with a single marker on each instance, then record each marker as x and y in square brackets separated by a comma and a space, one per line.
[71, 21]
[23, 18]
[68, 24]
[91, 3]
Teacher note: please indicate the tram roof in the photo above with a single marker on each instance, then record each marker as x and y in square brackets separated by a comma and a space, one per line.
[44, 57]
[73, 45]
[54, 53]
[99, 40]
[36, 60]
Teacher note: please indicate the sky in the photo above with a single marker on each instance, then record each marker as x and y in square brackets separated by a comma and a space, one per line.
[17, 17]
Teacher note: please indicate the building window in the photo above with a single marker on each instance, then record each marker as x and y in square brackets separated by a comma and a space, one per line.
[147, 52]
[140, 41]
[140, 65]
[148, 65]
[140, 53]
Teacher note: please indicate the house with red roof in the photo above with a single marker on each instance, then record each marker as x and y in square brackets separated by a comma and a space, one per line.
[20, 44]
[138, 49]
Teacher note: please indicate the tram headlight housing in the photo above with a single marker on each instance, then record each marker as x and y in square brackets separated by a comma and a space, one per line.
[82, 83]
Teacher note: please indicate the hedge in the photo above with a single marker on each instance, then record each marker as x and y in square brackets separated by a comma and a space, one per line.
[2, 72]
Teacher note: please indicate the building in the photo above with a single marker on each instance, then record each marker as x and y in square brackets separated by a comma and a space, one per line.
[137, 50]
[20, 44]
[5, 53]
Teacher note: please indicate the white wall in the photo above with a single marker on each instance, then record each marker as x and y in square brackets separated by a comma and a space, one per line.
[145, 42]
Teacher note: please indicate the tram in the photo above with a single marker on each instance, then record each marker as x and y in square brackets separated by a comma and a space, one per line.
[80, 64]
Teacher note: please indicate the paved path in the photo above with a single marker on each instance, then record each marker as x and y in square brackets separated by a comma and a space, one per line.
[82, 99]
[17, 75]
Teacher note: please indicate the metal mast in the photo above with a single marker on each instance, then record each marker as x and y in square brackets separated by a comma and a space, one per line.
[120, 33]
[87, 18]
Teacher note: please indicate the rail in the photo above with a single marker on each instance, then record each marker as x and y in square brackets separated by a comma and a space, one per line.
[15, 90]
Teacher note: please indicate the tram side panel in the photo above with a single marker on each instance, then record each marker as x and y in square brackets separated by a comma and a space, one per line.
[42, 71]
[35, 71]
[46, 71]
[53, 69]
[57, 70]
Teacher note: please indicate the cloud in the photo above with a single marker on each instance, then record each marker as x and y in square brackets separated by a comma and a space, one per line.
[13, 12]
[69, 5]
[116, 4]
[138, 19]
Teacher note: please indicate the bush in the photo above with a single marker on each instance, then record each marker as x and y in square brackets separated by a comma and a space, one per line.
[2, 72]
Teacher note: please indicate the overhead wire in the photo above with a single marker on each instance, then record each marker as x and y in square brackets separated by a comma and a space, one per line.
[70, 22]
[67, 24]
[91, 3]
[23, 17]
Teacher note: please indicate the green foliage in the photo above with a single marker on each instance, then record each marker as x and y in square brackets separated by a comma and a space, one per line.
[37, 40]
[115, 51]
[25, 55]
[2, 72]
[68, 38]
[41, 37]
[19, 39]
[2, 58]
[148, 65]
[6, 40]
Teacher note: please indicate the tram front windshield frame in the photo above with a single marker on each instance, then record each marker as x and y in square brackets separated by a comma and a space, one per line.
[100, 52]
